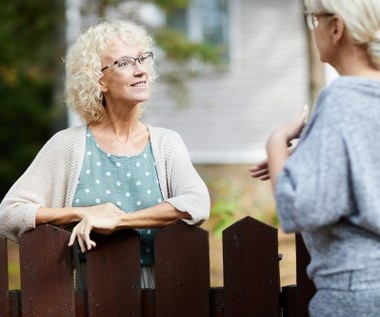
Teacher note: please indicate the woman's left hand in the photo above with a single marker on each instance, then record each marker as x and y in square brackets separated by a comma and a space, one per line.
[99, 224]
[293, 129]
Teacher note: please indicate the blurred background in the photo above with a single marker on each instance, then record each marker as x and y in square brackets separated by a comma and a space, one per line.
[230, 71]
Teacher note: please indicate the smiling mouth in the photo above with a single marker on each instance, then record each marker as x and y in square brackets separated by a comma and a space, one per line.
[139, 84]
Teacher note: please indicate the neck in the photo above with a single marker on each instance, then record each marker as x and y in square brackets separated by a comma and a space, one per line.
[120, 128]
[355, 62]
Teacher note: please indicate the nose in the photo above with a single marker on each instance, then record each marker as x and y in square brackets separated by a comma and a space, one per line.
[138, 68]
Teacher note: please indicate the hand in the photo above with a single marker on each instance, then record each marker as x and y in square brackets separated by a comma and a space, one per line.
[102, 224]
[107, 209]
[260, 170]
[293, 129]
[100, 218]
[278, 144]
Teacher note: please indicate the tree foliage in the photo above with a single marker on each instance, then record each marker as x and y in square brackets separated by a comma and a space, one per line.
[27, 58]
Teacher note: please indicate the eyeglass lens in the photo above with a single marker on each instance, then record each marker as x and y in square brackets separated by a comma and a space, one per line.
[128, 60]
[311, 21]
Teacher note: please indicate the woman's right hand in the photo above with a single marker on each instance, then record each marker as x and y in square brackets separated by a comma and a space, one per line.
[260, 170]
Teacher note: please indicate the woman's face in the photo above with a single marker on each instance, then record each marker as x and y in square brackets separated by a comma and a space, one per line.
[124, 82]
[322, 39]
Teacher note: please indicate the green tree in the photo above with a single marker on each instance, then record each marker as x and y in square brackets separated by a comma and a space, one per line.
[27, 73]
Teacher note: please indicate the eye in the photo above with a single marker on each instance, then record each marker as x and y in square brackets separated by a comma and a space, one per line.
[123, 63]
[144, 57]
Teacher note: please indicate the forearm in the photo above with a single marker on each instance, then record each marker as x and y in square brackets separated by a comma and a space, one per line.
[278, 153]
[153, 217]
[58, 216]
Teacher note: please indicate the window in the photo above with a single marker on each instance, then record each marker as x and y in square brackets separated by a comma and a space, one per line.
[204, 21]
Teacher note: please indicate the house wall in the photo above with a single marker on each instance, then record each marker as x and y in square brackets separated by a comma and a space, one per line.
[232, 112]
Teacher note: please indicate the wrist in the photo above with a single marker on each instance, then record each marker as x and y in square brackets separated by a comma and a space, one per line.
[77, 213]
[277, 140]
[122, 221]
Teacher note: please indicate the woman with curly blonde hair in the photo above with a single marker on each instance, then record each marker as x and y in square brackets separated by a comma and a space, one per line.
[114, 171]
[328, 187]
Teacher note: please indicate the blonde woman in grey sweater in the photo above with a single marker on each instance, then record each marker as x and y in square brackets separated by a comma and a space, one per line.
[328, 188]
[114, 171]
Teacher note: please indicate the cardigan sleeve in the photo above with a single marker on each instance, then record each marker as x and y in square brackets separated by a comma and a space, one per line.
[46, 182]
[189, 192]
[185, 190]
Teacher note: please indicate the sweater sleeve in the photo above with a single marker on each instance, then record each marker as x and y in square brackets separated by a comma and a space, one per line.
[182, 186]
[314, 188]
[44, 183]
[188, 191]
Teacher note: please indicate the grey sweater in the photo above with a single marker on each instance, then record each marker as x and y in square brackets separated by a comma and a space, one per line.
[329, 189]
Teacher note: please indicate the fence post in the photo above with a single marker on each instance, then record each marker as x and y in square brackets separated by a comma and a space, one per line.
[305, 287]
[3, 278]
[46, 273]
[182, 271]
[251, 269]
[113, 275]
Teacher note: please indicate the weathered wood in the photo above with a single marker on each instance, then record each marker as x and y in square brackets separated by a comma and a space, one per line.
[251, 275]
[148, 303]
[113, 275]
[46, 273]
[251, 269]
[289, 301]
[3, 277]
[80, 303]
[182, 271]
[305, 287]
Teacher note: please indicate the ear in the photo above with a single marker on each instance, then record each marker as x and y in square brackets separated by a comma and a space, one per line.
[103, 84]
[337, 29]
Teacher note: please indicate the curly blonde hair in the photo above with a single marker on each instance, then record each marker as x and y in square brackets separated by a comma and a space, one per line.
[83, 65]
[362, 20]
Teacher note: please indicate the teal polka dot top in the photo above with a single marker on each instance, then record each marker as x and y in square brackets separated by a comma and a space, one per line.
[129, 182]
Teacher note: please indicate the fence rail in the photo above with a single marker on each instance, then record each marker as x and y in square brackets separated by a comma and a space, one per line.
[250, 268]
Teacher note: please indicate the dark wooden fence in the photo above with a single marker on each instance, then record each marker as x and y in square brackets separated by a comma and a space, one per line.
[251, 276]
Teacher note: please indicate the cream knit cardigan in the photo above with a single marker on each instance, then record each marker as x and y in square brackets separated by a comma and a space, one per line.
[51, 179]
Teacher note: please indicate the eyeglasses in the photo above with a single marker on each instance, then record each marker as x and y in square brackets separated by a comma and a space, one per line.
[312, 19]
[126, 61]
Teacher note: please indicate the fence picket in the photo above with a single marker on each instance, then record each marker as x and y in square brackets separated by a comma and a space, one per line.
[217, 302]
[3, 278]
[182, 271]
[289, 301]
[148, 303]
[113, 275]
[251, 269]
[305, 287]
[46, 273]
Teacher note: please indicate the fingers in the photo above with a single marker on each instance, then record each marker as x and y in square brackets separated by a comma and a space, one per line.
[304, 114]
[260, 170]
[262, 175]
[81, 232]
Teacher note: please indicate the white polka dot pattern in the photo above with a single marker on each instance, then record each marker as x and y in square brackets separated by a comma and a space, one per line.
[130, 183]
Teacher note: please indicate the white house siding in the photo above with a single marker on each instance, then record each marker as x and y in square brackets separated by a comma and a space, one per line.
[232, 113]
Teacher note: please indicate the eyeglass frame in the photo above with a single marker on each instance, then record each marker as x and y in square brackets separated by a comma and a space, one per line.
[135, 60]
[311, 19]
